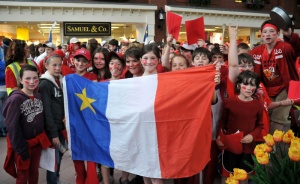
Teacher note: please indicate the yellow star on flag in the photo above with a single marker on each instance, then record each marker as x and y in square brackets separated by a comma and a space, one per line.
[86, 102]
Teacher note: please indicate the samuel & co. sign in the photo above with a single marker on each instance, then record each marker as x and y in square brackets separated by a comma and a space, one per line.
[87, 28]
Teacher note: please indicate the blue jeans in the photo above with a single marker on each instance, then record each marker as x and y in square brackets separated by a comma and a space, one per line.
[53, 177]
[3, 96]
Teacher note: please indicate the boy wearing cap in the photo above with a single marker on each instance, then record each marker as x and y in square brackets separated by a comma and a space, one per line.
[187, 51]
[274, 61]
[72, 48]
[49, 50]
[82, 59]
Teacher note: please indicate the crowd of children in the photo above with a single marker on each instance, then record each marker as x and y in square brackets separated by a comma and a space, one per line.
[250, 96]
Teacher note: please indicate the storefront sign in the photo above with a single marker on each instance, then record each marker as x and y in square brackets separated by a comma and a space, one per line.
[87, 29]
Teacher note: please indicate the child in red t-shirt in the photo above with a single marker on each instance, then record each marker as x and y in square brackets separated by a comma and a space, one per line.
[239, 63]
[241, 113]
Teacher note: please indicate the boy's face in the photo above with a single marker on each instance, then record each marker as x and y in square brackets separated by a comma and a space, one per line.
[81, 64]
[218, 57]
[134, 65]
[49, 50]
[269, 35]
[200, 60]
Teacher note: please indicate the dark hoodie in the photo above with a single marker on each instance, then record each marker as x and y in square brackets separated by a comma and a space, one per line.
[53, 104]
[24, 120]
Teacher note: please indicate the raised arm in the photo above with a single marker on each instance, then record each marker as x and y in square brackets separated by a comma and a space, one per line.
[166, 55]
[233, 63]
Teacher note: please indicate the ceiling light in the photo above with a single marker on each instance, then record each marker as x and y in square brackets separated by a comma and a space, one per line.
[115, 27]
[210, 29]
[45, 27]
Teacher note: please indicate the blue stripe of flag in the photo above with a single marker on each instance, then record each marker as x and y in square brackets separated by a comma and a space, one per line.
[85, 125]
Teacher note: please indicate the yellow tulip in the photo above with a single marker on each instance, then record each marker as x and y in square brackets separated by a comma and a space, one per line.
[267, 148]
[296, 142]
[288, 136]
[262, 147]
[269, 140]
[231, 180]
[294, 153]
[262, 157]
[240, 174]
[278, 135]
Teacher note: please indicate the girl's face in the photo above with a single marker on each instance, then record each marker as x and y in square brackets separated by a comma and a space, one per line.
[115, 68]
[81, 64]
[134, 65]
[149, 62]
[247, 91]
[178, 63]
[29, 80]
[218, 57]
[41, 50]
[200, 60]
[269, 35]
[99, 60]
[54, 67]
[27, 51]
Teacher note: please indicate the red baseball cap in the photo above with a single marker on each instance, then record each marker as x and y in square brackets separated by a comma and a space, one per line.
[83, 52]
[60, 53]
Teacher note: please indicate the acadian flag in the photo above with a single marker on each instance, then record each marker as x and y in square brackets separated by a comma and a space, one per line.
[50, 31]
[157, 126]
[145, 40]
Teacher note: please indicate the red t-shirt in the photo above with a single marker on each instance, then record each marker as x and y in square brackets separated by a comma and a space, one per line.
[276, 68]
[243, 116]
[90, 76]
[263, 96]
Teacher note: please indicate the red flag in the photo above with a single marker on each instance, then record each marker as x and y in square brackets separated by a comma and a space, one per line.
[173, 24]
[195, 30]
[294, 90]
[232, 142]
